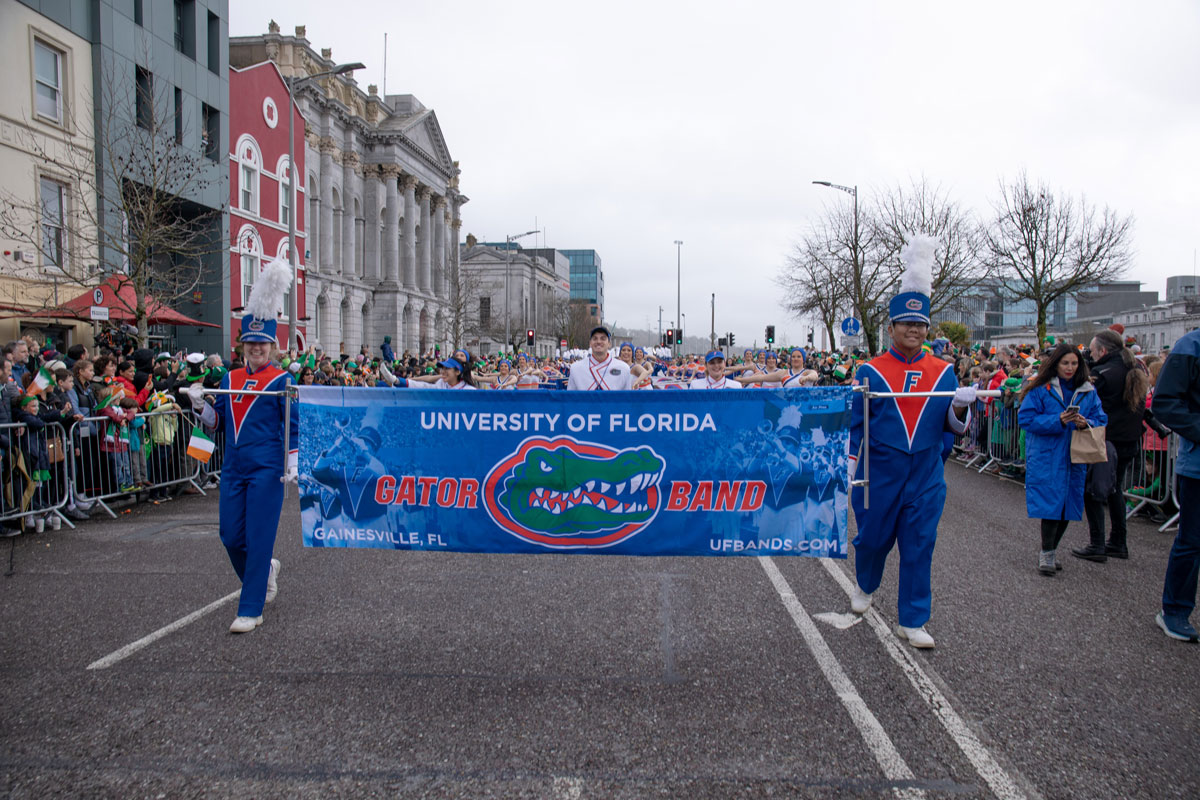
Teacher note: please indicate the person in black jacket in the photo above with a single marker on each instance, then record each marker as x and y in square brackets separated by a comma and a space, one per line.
[1122, 388]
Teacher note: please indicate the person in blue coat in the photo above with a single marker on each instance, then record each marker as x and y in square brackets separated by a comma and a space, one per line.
[1059, 400]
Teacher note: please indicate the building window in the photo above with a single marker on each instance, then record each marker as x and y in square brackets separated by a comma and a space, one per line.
[185, 27]
[485, 312]
[285, 199]
[53, 202]
[144, 97]
[214, 44]
[249, 187]
[137, 12]
[249, 273]
[212, 132]
[178, 115]
[47, 81]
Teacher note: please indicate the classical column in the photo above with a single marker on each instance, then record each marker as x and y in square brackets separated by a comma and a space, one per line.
[408, 261]
[455, 225]
[423, 247]
[349, 163]
[391, 224]
[439, 246]
[326, 147]
[373, 201]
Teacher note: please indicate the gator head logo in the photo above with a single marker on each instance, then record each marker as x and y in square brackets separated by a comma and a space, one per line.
[913, 305]
[564, 493]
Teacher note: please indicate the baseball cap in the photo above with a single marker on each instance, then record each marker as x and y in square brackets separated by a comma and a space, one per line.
[599, 329]
[451, 363]
[713, 355]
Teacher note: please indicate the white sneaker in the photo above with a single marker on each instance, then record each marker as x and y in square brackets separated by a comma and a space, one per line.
[273, 580]
[55, 522]
[245, 624]
[860, 601]
[917, 637]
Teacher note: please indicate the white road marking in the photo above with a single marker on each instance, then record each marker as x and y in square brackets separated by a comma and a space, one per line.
[133, 647]
[839, 620]
[568, 788]
[999, 781]
[876, 738]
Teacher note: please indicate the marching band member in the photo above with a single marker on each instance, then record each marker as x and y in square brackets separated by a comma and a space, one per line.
[714, 377]
[907, 479]
[599, 371]
[251, 488]
[452, 375]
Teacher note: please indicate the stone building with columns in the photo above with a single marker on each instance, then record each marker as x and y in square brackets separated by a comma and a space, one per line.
[383, 205]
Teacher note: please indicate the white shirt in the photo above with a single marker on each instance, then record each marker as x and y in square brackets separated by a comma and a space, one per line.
[707, 383]
[588, 374]
[793, 381]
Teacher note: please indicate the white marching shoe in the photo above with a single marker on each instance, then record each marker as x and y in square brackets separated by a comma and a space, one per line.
[917, 637]
[273, 580]
[245, 624]
[860, 601]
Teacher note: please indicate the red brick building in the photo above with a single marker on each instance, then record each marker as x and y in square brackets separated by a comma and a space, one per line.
[258, 198]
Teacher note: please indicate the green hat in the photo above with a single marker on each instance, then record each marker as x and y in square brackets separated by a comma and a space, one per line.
[27, 399]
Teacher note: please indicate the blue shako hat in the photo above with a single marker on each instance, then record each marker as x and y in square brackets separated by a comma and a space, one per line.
[266, 300]
[911, 304]
[258, 330]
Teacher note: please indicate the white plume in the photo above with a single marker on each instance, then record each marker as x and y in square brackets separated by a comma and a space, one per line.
[270, 285]
[917, 257]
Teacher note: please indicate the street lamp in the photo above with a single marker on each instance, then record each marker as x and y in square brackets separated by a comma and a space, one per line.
[507, 268]
[678, 284]
[293, 85]
[850, 190]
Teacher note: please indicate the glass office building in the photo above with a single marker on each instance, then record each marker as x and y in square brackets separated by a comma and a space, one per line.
[587, 280]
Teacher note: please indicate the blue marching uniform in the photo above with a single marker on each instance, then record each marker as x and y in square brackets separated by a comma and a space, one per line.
[907, 482]
[251, 489]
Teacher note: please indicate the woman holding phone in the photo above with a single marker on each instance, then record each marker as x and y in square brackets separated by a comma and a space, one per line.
[1059, 400]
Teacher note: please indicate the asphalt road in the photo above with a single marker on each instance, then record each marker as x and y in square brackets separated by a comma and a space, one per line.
[386, 674]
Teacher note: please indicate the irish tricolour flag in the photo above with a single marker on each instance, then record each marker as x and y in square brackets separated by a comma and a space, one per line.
[200, 447]
[41, 382]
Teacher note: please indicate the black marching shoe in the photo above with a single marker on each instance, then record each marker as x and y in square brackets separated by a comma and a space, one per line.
[1090, 553]
[1115, 550]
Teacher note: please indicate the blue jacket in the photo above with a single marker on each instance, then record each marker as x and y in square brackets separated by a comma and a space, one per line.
[1177, 401]
[1053, 485]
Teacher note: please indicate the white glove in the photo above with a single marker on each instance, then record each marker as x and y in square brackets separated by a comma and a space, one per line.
[964, 396]
[290, 473]
[853, 462]
[387, 375]
[195, 393]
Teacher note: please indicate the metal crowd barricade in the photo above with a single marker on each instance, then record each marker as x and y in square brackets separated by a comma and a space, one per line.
[210, 473]
[35, 472]
[109, 463]
[1150, 479]
[972, 448]
[1004, 436]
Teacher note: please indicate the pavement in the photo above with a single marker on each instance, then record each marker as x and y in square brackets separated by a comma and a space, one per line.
[394, 674]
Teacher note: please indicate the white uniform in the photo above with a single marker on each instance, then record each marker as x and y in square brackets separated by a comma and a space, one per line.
[439, 384]
[587, 374]
[707, 383]
[793, 381]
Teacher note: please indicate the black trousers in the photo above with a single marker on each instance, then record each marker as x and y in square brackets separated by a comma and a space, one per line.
[1052, 533]
[1112, 506]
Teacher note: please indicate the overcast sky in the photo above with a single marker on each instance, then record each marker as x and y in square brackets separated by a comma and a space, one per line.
[623, 126]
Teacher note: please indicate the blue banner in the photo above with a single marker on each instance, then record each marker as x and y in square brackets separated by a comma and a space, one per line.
[751, 472]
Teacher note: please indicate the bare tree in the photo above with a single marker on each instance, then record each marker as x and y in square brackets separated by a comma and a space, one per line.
[809, 287]
[132, 199]
[921, 208]
[463, 307]
[1045, 248]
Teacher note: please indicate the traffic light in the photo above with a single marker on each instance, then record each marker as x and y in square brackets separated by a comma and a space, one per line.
[731, 340]
[770, 334]
[529, 334]
[670, 336]
[810, 337]
[679, 336]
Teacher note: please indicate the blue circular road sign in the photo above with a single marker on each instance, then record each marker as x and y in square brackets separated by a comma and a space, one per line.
[851, 326]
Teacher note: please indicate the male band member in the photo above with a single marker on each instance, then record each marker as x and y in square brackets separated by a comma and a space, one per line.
[907, 481]
[251, 489]
[599, 371]
[714, 374]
